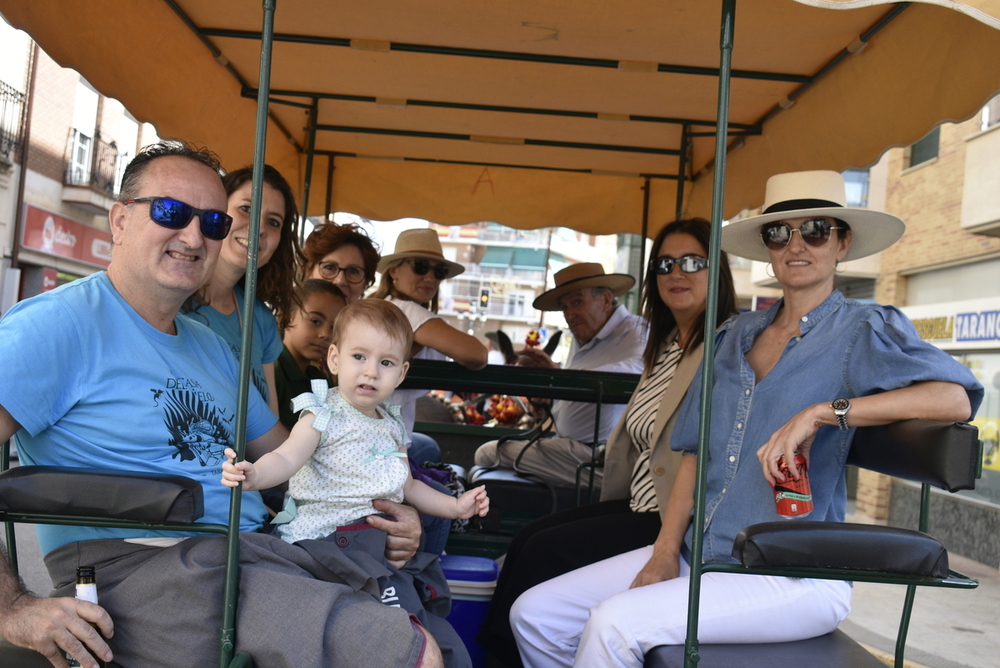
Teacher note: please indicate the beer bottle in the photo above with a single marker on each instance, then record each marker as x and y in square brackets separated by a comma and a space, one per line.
[86, 590]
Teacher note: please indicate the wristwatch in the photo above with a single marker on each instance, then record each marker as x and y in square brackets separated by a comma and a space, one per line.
[840, 408]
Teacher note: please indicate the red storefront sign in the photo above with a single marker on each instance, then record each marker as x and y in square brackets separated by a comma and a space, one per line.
[54, 234]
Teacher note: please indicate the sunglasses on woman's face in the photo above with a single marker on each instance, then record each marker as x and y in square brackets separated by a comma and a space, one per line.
[815, 232]
[689, 264]
[421, 267]
[175, 215]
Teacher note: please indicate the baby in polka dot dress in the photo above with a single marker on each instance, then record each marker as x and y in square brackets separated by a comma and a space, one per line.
[348, 448]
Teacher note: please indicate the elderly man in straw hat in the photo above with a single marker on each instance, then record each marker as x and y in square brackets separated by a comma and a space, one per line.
[606, 337]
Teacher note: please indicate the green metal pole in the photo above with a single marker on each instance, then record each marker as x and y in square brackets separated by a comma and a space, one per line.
[327, 210]
[691, 656]
[911, 590]
[597, 436]
[642, 241]
[231, 588]
[904, 626]
[682, 171]
[310, 157]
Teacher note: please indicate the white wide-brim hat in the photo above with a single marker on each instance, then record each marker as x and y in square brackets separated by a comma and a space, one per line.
[579, 276]
[806, 195]
[421, 243]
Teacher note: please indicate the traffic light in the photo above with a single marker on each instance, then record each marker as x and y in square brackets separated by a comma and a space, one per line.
[484, 300]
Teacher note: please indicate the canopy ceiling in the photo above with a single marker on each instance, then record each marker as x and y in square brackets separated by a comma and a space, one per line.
[532, 112]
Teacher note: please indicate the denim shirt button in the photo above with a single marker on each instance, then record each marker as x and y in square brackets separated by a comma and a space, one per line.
[739, 425]
[805, 318]
[724, 489]
[732, 458]
[746, 392]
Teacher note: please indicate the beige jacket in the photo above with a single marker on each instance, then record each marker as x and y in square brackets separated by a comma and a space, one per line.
[621, 453]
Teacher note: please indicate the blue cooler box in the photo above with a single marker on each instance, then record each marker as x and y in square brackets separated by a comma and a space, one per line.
[472, 581]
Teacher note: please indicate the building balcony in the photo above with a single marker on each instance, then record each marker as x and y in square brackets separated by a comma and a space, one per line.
[11, 125]
[531, 278]
[490, 233]
[93, 172]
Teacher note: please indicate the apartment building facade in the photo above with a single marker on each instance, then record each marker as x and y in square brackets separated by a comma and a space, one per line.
[63, 148]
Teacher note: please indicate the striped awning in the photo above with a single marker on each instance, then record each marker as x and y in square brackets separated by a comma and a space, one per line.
[497, 257]
[529, 259]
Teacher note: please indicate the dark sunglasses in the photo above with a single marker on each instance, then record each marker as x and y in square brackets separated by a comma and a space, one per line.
[176, 215]
[815, 232]
[330, 271]
[421, 267]
[689, 264]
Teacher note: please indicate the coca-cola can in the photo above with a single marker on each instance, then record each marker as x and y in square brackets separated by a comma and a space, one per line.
[793, 496]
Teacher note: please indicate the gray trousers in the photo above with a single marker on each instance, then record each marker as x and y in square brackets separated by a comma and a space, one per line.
[419, 587]
[552, 459]
[294, 610]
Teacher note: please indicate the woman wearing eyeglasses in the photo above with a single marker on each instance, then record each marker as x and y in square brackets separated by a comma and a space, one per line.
[343, 255]
[795, 378]
[411, 276]
[640, 466]
[220, 302]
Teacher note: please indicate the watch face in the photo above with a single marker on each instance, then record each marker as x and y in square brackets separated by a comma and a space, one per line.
[841, 404]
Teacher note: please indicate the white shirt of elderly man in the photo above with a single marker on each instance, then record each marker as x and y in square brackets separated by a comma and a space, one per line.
[606, 337]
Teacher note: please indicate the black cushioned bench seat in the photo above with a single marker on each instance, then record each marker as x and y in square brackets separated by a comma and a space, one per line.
[833, 650]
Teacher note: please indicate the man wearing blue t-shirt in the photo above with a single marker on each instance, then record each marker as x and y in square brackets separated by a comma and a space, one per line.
[128, 385]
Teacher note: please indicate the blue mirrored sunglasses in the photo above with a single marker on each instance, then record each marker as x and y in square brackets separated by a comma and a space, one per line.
[176, 215]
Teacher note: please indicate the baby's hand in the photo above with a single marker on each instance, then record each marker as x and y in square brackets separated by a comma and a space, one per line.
[473, 502]
[233, 473]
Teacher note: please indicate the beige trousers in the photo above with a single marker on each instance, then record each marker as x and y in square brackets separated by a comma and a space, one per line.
[552, 459]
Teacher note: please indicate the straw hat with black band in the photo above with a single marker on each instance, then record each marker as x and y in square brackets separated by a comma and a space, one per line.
[578, 276]
[811, 195]
[419, 244]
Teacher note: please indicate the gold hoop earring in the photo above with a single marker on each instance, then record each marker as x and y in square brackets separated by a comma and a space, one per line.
[769, 271]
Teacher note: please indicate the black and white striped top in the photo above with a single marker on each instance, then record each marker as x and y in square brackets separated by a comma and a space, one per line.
[639, 423]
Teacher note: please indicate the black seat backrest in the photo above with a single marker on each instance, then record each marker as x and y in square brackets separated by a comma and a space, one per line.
[942, 454]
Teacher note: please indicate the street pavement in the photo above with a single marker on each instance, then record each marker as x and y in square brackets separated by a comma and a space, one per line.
[949, 628]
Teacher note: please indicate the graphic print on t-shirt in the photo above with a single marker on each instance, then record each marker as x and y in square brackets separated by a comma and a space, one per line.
[196, 428]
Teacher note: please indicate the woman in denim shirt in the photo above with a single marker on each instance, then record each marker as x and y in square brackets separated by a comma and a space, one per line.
[778, 374]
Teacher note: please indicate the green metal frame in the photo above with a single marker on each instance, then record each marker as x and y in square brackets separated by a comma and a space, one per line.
[727, 28]
[567, 384]
[577, 386]
[954, 580]
[227, 638]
